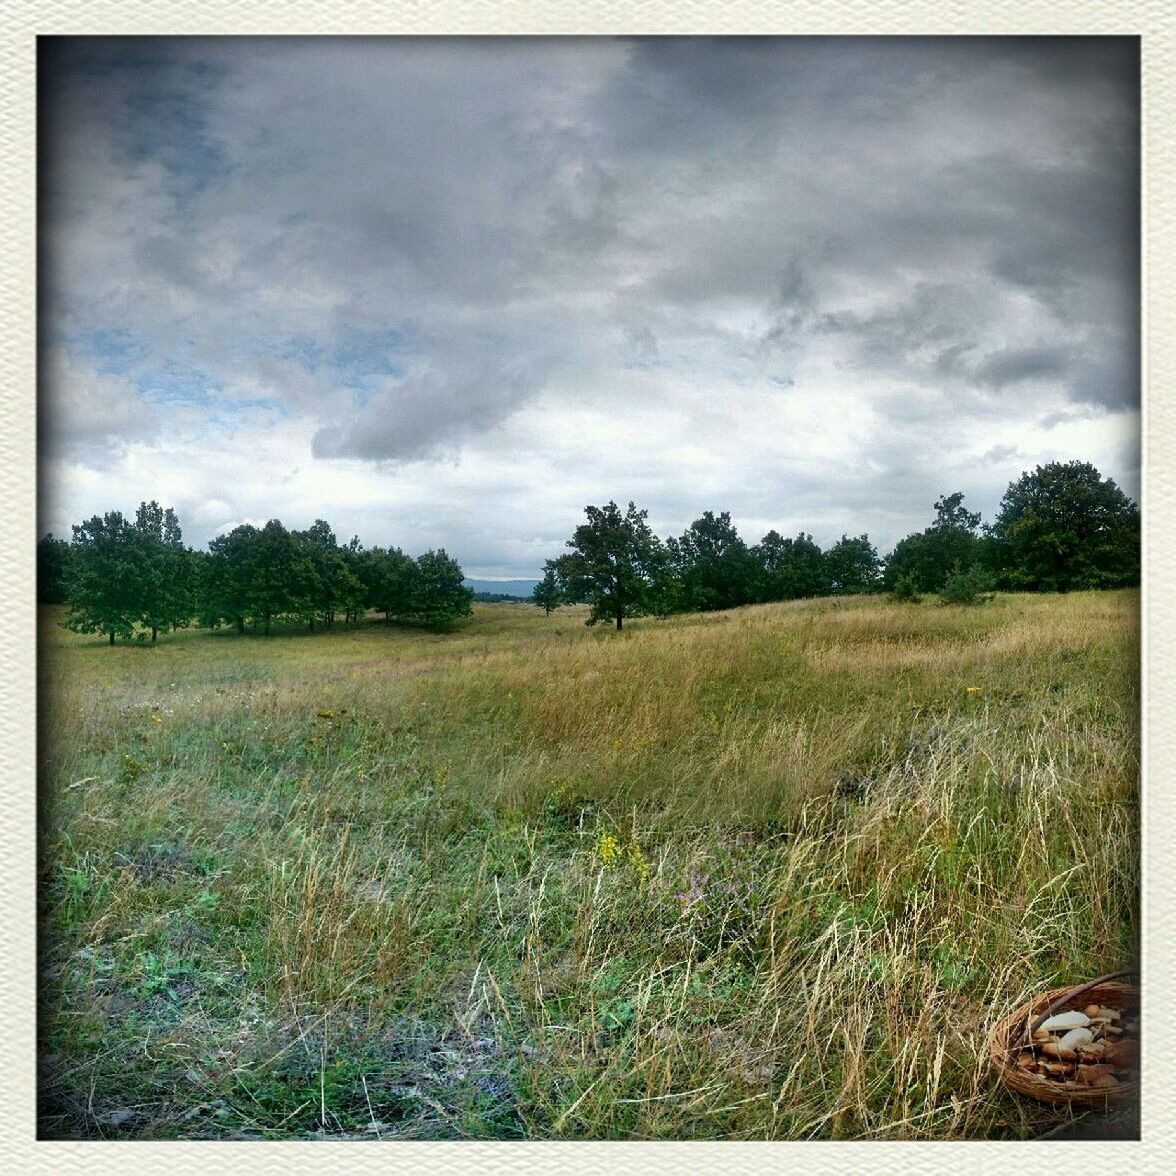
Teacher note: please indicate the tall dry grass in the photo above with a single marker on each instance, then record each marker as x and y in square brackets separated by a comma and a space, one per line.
[765, 874]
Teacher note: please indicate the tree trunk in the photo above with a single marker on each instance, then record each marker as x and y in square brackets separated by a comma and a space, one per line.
[267, 624]
[154, 631]
[111, 636]
[620, 615]
[241, 626]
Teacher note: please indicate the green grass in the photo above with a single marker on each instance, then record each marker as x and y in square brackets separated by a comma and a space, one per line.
[767, 874]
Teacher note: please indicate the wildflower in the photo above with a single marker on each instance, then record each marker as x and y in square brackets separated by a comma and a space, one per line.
[973, 689]
[608, 849]
[157, 718]
[638, 862]
[618, 743]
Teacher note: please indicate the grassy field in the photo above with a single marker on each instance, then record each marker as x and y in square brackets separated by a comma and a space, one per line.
[767, 874]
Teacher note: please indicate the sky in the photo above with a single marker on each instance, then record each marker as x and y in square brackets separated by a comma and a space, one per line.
[447, 292]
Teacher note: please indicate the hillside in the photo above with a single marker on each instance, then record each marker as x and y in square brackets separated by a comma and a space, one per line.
[766, 874]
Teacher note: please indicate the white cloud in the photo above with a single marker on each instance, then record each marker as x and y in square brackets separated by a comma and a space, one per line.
[448, 292]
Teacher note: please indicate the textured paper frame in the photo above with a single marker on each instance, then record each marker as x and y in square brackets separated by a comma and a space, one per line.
[1153, 20]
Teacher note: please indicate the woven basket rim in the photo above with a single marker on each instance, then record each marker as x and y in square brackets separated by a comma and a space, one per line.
[1009, 1028]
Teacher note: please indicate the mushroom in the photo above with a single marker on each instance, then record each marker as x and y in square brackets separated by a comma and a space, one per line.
[1054, 1050]
[1043, 1035]
[1122, 1054]
[1090, 1074]
[1076, 1038]
[1071, 1020]
[1026, 1061]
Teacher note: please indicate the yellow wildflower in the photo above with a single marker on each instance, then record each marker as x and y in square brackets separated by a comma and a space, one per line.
[608, 849]
[638, 862]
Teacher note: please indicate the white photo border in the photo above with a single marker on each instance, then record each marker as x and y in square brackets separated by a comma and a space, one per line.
[26, 20]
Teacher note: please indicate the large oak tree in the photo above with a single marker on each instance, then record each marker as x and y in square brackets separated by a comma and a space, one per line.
[614, 565]
[1065, 526]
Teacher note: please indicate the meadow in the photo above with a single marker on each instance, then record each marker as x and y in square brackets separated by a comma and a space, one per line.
[765, 874]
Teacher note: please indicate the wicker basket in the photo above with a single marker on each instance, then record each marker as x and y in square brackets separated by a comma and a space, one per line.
[1011, 1035]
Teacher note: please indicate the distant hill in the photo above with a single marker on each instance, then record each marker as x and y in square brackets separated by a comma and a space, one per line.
[520, 588]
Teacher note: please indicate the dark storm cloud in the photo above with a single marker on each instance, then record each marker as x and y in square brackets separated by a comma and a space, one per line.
[400, 249]
[1018, 364]
[428, 414]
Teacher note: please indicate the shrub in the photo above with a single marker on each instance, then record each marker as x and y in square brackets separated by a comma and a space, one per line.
[905, 591]
[973, 586]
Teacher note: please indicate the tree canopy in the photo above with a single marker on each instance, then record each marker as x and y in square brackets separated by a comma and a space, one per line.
[547, 593]
[128, 579]
[53, 556]
[927, 558]
[438, 596]
[164, 573]
[789, 569]
[102, 587]
[614, 564]
[1064, 526]
[853, 566]
[714, 568]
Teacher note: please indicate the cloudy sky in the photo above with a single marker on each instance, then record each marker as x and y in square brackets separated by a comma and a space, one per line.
[447, 292]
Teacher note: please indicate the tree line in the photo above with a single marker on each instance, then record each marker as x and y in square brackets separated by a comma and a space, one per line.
[1060, 527]
[131, 578]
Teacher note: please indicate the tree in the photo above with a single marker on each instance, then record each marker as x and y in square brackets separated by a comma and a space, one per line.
[546, 594]
[966, 586]
[164, 569]
[615, 564]
[789, 569]
[950, 515]
[279, 580]
[1064, 526]
[439, 594]
[331, 586]
[853, 566]
[224, 589]
[353, 556]
[103, 588]
[714, 568]
[905, 591]
[388, 579]
[926, 558]
[53, 556]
